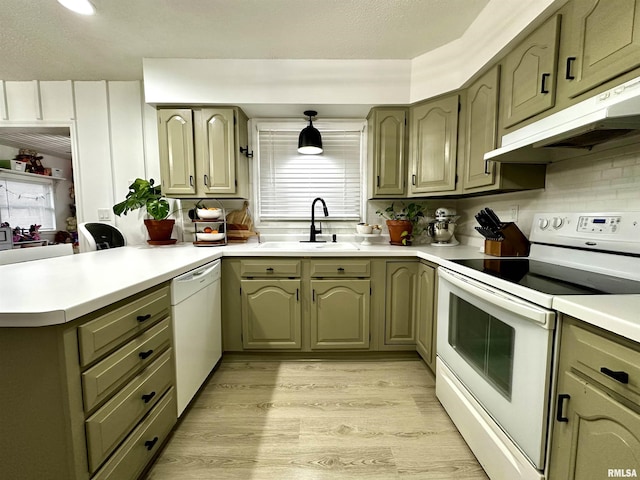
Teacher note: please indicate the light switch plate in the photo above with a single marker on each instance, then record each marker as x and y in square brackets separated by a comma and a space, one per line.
[104, 214]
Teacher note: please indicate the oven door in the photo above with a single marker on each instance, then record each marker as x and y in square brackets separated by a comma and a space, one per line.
[499, 347]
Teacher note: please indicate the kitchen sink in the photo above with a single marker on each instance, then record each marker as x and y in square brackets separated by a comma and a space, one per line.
[307, 246]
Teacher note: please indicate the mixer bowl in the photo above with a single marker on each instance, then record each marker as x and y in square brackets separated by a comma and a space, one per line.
[441, 231]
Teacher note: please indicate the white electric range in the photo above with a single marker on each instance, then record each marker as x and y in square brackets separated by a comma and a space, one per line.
[496, 329]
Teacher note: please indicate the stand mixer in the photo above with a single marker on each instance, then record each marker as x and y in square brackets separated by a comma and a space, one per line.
[442, 227]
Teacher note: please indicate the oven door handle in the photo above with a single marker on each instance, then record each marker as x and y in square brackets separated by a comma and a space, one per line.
[500, 299]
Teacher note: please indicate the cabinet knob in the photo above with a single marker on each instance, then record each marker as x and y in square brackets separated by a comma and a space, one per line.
[146, 354]
[147, 398]
[150, 443]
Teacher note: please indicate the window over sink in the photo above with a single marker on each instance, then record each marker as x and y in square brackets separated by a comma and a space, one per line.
[286, 182]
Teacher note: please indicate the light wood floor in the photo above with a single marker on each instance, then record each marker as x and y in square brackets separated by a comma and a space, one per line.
[299, 420]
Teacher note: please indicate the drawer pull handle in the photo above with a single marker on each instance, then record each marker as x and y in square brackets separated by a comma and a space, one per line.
[619, 376]
[340, 269]
[150, 443]
[147, 398]
[270, 269]
[142, 318]
[561, 398]
[146, 354]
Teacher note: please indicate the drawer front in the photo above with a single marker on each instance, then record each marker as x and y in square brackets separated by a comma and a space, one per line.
[340, 268]
[109, 425]
[143, 443]
[112, 329]
[609, 363]
[270, 268]
[104, 378]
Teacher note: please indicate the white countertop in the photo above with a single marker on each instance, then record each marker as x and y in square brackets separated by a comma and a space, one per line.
[58, 290]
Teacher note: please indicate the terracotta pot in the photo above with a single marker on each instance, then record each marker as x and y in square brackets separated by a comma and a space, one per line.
[159, 230]
[396, 228]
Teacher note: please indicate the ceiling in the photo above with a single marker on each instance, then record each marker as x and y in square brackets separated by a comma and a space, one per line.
[42, 40]
[54, 141]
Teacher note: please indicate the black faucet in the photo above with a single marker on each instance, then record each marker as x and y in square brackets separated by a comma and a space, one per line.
[314, 232]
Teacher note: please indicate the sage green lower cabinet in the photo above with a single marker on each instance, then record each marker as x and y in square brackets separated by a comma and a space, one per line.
[271, 316]
[340, 314]
[425, 314]
[597, 418]
[74, 408]
[400, 305]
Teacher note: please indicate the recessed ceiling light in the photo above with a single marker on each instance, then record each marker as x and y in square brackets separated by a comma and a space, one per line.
[83, 7]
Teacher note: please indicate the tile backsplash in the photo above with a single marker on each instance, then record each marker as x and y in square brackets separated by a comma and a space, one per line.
[592, 183]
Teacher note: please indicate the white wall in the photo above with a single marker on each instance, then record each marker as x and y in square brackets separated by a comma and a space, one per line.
[593, 183]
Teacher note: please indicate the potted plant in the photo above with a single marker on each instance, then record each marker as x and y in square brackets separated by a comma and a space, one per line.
[144, 194]
[404, 223]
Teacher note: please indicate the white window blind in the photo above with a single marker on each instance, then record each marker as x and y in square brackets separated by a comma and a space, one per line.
[289, 181]
[25, 202]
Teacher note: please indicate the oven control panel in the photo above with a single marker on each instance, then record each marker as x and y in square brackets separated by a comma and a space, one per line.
[604, 231]
[599, 224]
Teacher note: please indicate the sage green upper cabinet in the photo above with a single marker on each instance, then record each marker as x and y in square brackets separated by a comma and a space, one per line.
[340, 314]
[601, 41]
[271, 314]
[388, 150]
[433, 146]
[201, 157]
[529, 74]
[481, 116]
[177, 161]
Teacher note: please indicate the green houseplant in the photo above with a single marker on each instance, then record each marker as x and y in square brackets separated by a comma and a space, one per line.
[403, 223]
[144, 194]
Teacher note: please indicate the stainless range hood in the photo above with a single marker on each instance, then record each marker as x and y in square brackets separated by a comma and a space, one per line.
[611, 115]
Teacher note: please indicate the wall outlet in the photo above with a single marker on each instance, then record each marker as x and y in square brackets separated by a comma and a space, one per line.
[513, 213]
[104, 214]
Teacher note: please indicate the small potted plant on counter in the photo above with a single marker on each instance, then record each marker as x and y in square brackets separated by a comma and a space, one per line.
[144, 194]
[404, 223]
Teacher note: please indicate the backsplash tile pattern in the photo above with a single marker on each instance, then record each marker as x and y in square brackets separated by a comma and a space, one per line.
[591, 183]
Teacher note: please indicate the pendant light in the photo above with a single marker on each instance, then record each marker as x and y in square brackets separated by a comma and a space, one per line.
[310, 141]
[83, 7]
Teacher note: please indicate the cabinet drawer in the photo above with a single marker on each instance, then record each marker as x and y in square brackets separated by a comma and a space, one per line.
[109, 425]
[602, 359]
[340, 268]
[112, 329]
[143, 443]
[270, 268]
[107, 376]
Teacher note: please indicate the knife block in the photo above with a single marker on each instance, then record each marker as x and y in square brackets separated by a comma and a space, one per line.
[514, 244]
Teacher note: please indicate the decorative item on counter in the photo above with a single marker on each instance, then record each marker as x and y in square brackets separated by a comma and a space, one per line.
[240, 225]
[31, 160]
[143, 194]
[502, 239]
[210, 224]
[405, 225]
[367, 232]
[442, 227]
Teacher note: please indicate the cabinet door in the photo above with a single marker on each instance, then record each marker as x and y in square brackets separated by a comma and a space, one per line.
[604, 42]
[600, 434]
[481, 131]
[340, 314]
[271, 314]
[400, 308]
[388, 128]
[217, 151]
[425, 321]
[529, 74]
[177, 163]
[433, 145]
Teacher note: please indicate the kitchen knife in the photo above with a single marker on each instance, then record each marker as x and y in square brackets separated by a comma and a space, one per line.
[494, 218]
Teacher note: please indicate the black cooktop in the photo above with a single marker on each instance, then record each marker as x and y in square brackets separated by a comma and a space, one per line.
[552, 279]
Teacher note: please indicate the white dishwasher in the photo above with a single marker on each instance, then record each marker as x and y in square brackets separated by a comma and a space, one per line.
[197, 328]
